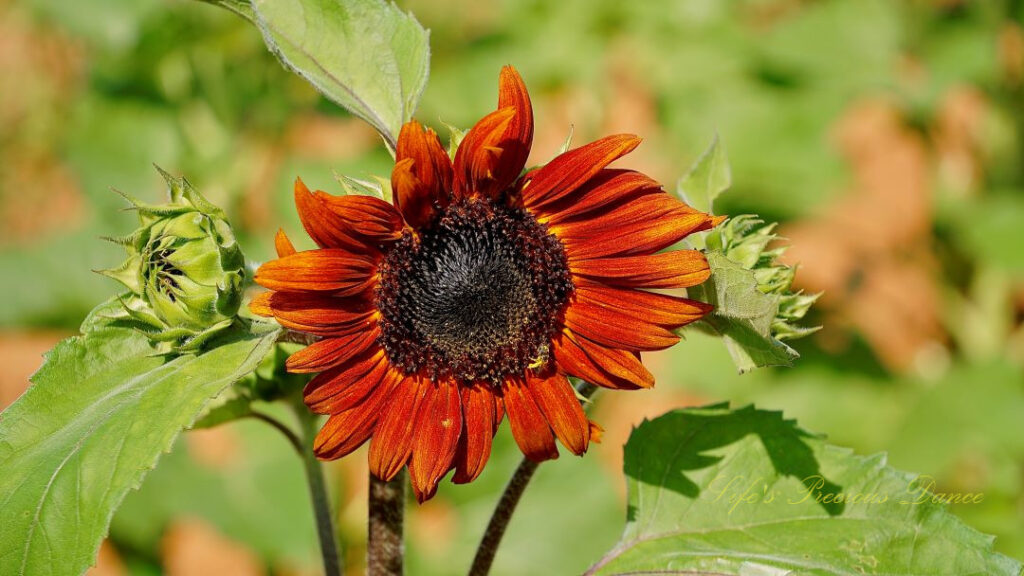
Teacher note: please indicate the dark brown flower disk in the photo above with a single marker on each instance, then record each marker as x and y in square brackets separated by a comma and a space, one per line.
[475, 297]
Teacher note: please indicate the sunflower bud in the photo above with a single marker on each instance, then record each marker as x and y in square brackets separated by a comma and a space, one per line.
[184, 269]
[744, 239]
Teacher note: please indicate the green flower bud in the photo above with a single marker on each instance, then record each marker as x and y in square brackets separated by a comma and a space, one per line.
[184, 269]
[744, 239]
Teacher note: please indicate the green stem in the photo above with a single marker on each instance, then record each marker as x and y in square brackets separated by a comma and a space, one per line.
[385, 550]
[315, 478]
[293, 439]
[500, 519]
[318, 494]
[507, 505]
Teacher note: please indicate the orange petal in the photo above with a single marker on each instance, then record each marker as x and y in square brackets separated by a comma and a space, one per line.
[606, 367]
[260, 304]
[282, 244]
[363, 216]
[499, 412]
[569, 171]
[392, 442]
[676, 269]
[557, 401]
[350, 428]
[331, 352]
[661, 309]
[438, 428]
[615, 328]
[323, 314]
[607, 187]
[326, 270]
[422, 178]
[338, 388]
[518, 138]
[529, 427]
[478, 410]
[325, 227]
[643, 225]
[477, 160]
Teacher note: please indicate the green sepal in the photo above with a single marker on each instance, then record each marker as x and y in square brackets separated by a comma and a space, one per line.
[455, 137]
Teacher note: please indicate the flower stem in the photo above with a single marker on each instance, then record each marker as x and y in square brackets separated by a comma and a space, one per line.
[385, 550]
[499, 520]
[507, 504]
[318, 494]
[293, 439]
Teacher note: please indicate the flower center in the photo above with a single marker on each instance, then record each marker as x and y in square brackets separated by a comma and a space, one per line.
[477, 296]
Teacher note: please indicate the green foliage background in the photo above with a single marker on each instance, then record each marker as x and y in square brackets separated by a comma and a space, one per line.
[889, 134]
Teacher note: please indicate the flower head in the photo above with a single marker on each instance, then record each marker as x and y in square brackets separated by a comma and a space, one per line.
[184, 269]
[478, 292]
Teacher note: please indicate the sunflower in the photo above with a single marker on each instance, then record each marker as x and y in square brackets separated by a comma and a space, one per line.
[478, 292]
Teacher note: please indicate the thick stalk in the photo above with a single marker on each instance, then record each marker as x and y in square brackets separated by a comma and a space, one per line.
[385, 550]
[507, 504]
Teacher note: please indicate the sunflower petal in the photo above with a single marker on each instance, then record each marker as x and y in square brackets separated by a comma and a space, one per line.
[337, 388]
[326, 270]
[643, 225]
[327, 229]
[518, 138]
[616, 329]
[330, 352]
[422, 178]
[282, 244]
[364, 216]
[322, 314]
[557, 401]
[348, 429]
[260, 304]
[605, 367]
[661, 309]
[479, 155]
[392, 443]
[478, 411]
[675, 269]
[607, 187]
[438, 428]
[529, 427]
[569, 171]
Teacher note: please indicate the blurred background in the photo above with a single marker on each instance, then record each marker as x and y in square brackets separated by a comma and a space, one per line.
[886, 136]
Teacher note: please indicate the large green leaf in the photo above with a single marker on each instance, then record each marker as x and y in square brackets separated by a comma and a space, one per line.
[719, 491]
[366, 55]
[100, 412]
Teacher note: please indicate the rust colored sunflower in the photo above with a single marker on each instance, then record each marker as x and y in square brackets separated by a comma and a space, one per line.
[478, 292]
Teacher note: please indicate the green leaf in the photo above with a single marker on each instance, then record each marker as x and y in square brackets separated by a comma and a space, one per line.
[100, 412]
[366, 55]
[262, 468]
[227, 410]
[745, 492]
[707, 178]
[743, 315]
[241, 7]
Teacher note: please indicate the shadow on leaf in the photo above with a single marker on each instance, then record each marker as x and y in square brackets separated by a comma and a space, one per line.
[696, 432]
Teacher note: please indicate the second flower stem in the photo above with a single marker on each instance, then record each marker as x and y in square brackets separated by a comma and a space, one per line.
[318, 493]
[509, 500]
[499, 520]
